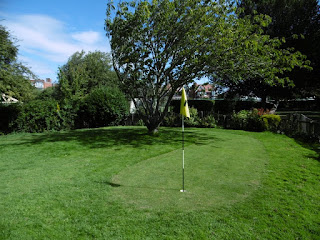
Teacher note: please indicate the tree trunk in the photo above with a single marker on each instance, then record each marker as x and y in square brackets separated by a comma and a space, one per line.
[274, 108]
[264, 102]
[153, 128]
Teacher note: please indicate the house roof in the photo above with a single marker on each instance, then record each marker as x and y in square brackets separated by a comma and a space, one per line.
[205, 87]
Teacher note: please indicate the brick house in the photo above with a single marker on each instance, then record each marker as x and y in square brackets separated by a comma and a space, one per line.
[42, 84]
[201, 91]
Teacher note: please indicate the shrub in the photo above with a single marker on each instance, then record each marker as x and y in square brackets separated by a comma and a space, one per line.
[172, 119]
[207, 122]
[247, 120]
[239, 120]
[68, 114]
[255, 120]
[39, 116]
[271, 121]
[102, 107]
[262, 111]
[9, 113]
[49, 93]
[193, 121]
[140, 123]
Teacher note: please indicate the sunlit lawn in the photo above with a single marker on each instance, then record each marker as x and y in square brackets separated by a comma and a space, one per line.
[121, 183]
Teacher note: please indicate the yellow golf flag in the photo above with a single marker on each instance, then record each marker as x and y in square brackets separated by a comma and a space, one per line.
[184, 109]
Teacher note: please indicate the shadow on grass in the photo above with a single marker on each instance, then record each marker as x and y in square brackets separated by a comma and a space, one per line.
[111, 184]
[312, 146]
[315, 148]
[117, 136]
[116, 185]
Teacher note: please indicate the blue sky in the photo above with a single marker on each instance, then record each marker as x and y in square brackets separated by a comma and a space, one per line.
[49, 32]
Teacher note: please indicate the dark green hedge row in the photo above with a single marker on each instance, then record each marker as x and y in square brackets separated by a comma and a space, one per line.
[102, 107]
[34, 116]
[219, 106]
[200, 105]
[230, 106]
[299, 105]
[8, 114]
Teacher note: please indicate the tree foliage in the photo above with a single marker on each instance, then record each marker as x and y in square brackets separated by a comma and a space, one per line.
[102, 107]
[158, 46]
[84, 72]
[13, 74]
[297, 22]
[39, 116]
[83, 80]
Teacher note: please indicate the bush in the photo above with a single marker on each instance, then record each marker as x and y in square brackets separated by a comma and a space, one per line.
[239, 120]
[102, 107]
[271, 122]
[255, 120]
[39, 116]
[140, 123]
[68, 114]
[207, 122]
[49, 93]
[174, 120]
[9, 113]
[193, 121]
[247, 120]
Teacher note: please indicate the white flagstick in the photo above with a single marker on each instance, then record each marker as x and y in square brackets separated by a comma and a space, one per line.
[182, 154]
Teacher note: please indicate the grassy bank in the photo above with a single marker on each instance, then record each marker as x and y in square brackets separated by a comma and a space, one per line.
[120, 183]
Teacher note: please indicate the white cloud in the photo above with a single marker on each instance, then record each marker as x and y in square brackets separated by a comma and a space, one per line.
[41, 67]
[42, 36]
[89, 37]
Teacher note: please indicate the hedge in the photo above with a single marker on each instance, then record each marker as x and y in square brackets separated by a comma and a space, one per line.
[8, 113]
[220, 106]
[102, 107]
[200, 105]
[39, 116]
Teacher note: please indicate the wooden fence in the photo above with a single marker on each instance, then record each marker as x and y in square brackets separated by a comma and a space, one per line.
[299, 124]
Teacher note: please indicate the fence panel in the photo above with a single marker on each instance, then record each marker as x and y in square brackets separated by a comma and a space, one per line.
[299, 124]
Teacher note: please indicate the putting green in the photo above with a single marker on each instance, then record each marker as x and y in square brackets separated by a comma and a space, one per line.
[222, 169]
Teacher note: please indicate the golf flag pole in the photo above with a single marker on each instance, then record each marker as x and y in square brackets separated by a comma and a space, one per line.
[184, 111]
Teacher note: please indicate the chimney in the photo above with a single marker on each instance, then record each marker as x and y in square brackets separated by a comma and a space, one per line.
[48, 80]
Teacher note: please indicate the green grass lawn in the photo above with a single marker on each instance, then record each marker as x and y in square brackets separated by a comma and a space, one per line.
[121, 183]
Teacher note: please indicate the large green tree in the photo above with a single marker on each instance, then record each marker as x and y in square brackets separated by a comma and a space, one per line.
[84, 72]
[160, 45]
[298, 23]
[83, 75]
[13, 74]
